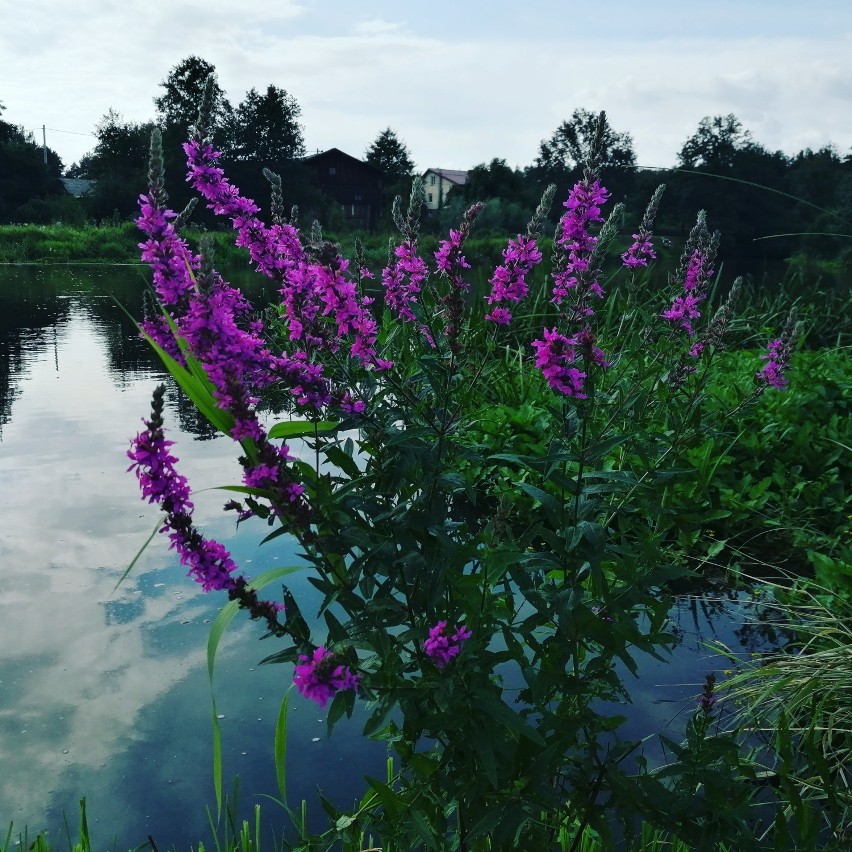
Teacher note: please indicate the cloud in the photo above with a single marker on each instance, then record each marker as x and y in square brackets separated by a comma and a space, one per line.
[377, 27]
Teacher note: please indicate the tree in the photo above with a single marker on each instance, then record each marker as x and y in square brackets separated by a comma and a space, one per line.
[267, 129]
[390, 155]
[7, 131]
[23, 175]
[739, 205]
[824, 179]
[714, 146]
[177, 111]
[119, 164]
[495, 180]
[562, 157]
[177, 107]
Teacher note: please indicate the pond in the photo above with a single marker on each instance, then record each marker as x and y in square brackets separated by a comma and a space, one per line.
[104, 691]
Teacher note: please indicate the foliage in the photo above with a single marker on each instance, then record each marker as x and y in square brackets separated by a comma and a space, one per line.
[721, 148]
[23, 173]
[797, 700]
[490, 532]
[781, 493]
[389, 154]
[561, 157]
[267, 129]
[177, 107]
[115, 164]
[715, 144]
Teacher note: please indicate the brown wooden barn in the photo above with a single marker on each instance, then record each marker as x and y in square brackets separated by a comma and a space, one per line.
[354, 184]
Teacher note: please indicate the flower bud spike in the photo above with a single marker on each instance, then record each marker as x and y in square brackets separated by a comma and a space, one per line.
[203, 125]
[156, 171]
[186, 214]
[277, 200]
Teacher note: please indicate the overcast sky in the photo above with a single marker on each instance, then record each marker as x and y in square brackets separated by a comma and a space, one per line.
[460, 82]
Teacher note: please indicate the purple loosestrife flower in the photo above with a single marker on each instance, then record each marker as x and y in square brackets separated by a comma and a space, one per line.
[714, 336]
[509, 282]
[695, 271]
[451, 264]
[309, 290]
[444, 643]
[167, 254]
[449, 258]
[579, 275]
[683, 310]
[772, 372]
[322, 675]
[272, 250]
[555, 357]
[642, 251]
[707, 699]
[778, 357]
[403, 279]
[209, 563]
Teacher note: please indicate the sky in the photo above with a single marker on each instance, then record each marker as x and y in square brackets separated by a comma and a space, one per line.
[459, 82]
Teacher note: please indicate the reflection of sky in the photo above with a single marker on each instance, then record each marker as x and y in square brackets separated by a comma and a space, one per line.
[105, 694]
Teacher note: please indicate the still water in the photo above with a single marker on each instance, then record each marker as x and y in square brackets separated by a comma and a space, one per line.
[104, 691]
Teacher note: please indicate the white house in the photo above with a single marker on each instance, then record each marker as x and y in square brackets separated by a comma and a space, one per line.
[438, 182]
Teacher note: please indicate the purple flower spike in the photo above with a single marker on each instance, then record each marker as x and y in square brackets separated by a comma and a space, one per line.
[444, 644]
[209, 563]
[695, 271]
[509, 282]
[779, 356]
[320, 676]
[555, 356]
[578, 275]
[403, 279]
[640, 253]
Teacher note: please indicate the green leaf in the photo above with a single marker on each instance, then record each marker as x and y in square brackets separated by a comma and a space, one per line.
[217, 631]
[280, 748]
[198, 389]
[496, 708]
[302, 428]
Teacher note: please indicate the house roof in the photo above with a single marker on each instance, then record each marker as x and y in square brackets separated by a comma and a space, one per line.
[336, 152]
[457, 176]
[78, 187]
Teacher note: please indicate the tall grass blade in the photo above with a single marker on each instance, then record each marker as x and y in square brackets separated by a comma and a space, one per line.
[280, 748]
[141, 550]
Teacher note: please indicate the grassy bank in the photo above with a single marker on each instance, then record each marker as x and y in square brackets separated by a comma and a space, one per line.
[119, 244]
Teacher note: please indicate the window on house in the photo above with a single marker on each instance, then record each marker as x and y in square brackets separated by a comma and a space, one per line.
[332, 170]
[429, 196]
[432, 180]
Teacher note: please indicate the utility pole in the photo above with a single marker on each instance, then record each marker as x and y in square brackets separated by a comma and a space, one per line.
[44, 143]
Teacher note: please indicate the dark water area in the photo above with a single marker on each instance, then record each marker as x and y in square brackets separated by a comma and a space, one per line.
[103, 691]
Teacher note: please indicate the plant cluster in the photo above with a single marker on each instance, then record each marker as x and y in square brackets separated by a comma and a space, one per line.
[486, 509]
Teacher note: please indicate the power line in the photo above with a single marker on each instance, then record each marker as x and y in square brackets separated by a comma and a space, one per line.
[56, 130]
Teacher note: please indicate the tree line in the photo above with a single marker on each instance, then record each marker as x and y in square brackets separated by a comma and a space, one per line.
[755, 196]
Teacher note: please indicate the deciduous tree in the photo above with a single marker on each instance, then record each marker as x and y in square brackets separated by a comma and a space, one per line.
[177, 107]
[561, 158]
